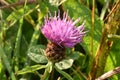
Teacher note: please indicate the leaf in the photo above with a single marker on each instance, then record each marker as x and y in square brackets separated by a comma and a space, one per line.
[39, 49]
[38, 58]
[30, 69]
[64, 64]
[36, 54]
[66, 75]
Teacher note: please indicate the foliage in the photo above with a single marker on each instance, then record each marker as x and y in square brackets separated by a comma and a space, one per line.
[22, 45]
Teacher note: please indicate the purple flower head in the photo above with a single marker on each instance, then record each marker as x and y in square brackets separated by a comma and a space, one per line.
[63, 32]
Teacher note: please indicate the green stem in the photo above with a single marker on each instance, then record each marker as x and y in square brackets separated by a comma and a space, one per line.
[48, 70]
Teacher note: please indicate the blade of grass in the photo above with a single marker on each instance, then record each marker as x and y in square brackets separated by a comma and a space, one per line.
[6, 63]
[17, 45]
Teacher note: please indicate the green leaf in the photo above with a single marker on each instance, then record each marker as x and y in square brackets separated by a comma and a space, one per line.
[36, 54]
[31, 69]
[48, 70]
[38, 58]
[66, 75]
[64, 64]
[38, 49]
[17, 45]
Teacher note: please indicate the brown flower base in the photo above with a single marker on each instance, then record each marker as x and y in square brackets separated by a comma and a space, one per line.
[54, 52]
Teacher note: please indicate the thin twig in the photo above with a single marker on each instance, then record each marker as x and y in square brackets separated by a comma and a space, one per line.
[109, 73]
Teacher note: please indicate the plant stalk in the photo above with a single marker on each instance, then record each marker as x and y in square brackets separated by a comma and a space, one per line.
[113, 24]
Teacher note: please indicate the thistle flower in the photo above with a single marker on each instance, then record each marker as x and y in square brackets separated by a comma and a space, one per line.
[63, 32]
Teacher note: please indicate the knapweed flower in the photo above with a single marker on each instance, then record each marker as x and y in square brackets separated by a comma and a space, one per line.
[63, 32]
